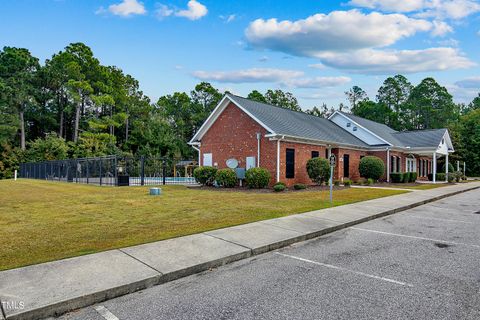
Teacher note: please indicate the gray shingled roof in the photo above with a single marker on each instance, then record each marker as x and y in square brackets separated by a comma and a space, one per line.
[297, 124]
[413, 139]
[380, 129]
[421, 138]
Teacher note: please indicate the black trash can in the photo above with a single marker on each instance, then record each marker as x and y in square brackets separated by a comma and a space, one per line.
[123, 181]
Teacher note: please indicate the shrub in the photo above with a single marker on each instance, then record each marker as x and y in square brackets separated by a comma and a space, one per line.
[299, 186]
[257, 178]
[226, 178]
[371, 167]
[279, 188]
[406, 177]
[396, 177]
[347, 182]
[430, 176]
[336, 183]
[450, 168]
[440, 176]
[370, 181]
[318, 170]
[205, 175]
[450, 177]
[280, 183]
[413, 176]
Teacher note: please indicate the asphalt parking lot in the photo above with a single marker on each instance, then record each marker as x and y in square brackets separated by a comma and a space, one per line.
[423, 263]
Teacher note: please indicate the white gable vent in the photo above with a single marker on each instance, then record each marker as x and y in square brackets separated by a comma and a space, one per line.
[348, 124]
[354, 128]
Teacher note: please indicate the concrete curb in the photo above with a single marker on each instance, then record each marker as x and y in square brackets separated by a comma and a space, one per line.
[243, 252]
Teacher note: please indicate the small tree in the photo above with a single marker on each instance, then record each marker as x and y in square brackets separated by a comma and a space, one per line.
[371, 167]
[318, 170]
[257, 178]
[226, 178]
[205, 175]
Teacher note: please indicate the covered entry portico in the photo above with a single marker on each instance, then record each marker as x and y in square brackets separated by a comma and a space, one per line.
[442, 150]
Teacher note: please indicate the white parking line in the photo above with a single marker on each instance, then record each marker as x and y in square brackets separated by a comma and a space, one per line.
[440, 219]
[414, 237]
[105, 313]
[346, 270]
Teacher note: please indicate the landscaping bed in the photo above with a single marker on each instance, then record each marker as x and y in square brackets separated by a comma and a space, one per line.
[44, 221]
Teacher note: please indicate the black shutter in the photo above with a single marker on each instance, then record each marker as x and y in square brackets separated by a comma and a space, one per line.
[290, 164]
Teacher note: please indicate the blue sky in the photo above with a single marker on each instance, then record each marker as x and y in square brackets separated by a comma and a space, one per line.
[315, 49]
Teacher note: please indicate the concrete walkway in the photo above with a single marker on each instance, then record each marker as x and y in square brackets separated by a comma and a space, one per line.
[52, 288]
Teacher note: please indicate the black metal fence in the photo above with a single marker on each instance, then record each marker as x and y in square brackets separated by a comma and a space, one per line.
[113, 171]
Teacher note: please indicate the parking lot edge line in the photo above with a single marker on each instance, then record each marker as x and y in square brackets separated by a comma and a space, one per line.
[105, 313]
[415, 237]
[441, 219]
[326, 265]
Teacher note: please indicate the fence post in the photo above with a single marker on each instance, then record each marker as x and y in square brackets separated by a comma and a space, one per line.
[88, 169]
[142, 170]
[164, 170]
[116, 173]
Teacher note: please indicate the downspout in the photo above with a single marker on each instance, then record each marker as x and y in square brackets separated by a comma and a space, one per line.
[259, 136]
[388, 164]
[198, 150]
[278, 158]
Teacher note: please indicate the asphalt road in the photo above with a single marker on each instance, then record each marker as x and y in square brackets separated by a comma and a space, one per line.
[423, 263]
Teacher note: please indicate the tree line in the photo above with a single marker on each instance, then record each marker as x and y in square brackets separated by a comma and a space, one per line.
[72, 106]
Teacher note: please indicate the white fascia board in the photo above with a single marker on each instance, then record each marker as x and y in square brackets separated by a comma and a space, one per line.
[296, 139]
[216, 113]
[358, 125]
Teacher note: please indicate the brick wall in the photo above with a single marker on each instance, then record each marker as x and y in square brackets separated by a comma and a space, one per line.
[234, 135]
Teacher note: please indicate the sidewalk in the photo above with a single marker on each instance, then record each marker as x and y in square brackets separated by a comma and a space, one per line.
[52, 288]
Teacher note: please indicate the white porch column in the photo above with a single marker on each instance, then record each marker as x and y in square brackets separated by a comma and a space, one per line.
[446, 167]
[464, 168]
[388, 165]
[434, 167]
[458, 165]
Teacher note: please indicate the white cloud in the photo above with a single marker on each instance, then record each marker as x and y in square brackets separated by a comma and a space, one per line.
[370, 61]
[248, 75]
[317, 82]
[195, 11]
[289, 78]
[469, 83]
[337, 31]
[317, 66]
[440, 9]
[163, 11]
[449, 42]
[127, 8]
[460, 94]
[228, 18]
[441, 28]
[390, 5]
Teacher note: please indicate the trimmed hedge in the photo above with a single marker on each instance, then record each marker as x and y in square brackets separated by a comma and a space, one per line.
[257, 178]
[413, 177]
[299, 186]
[336, 183]
[226, 178]
[439, 177]
[406, 177]
[280, 183]
[318, 170]
[396, 177]
[347, 182]
[205, 175]
[279, 188]
[371, 167]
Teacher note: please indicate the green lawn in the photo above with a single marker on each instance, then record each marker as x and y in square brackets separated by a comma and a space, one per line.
[43, 221]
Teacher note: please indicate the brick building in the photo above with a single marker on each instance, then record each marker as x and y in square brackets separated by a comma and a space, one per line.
[257, 134]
